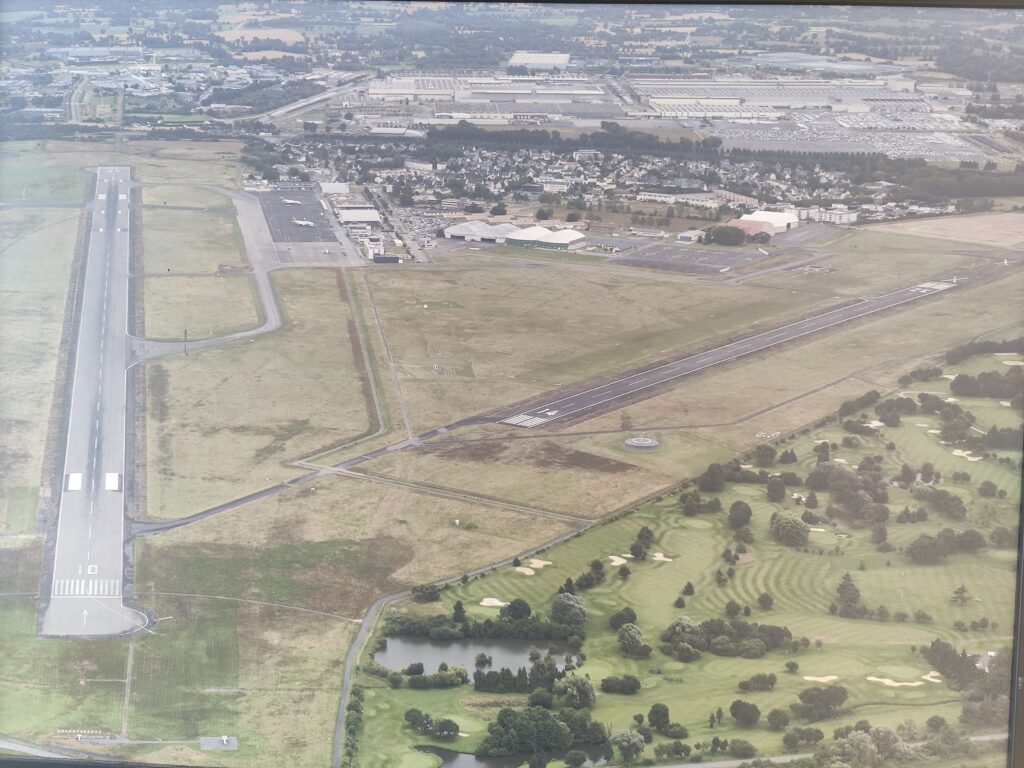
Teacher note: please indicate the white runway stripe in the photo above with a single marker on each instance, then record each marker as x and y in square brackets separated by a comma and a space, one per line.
[86, 588]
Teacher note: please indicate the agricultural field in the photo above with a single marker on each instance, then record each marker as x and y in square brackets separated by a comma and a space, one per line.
[802, 581]
[35, 263]
[225, 420]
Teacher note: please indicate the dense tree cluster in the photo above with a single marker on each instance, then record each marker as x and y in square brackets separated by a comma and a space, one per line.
[789, 530]
[964, 351]
[627, 684]
[760, 682]
[444, 728]
[861, 494]
[517, 731]
[858, 404]
[946, 503]
[685, 640]
[693, 504]
[820, 703]
[930, 550]
[542, 675]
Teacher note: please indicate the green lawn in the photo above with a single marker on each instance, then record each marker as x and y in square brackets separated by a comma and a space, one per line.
[29, 175]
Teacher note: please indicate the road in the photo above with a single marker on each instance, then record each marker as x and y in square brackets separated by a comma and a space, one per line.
[623, 388]
[86, 589]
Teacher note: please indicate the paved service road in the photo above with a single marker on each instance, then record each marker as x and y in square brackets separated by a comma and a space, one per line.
[590, 399]
[85, 596]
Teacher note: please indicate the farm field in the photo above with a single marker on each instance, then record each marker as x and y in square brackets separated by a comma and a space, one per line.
[802, 582]
[222, 421]
[35, 264]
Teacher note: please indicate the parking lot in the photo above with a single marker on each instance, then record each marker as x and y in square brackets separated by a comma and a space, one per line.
[297, 217]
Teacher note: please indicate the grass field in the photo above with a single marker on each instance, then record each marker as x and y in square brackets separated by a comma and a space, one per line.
[35, 258]
[224, 420]
[510, 333]
[998, 230]
[29, 174]
[190, 242]
[204, 305]
[802, 583]
[267, 674]
[46, 685]
[871, 262]
[779, 391]
[154, 161]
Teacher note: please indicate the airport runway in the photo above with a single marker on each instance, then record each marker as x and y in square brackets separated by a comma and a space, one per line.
[590, 399]
[86, 591]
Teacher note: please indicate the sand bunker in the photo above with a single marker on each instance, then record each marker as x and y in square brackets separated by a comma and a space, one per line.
[876, 424]
[932, 677]
[746, 466]
[1004, 354]
[1005, 403]
[819, 530]
[893, 684]
[616, 560]
[840, 461]
[538, 563]
[1013, 362]
[627, 555]
[949, 376]
[524, 570]
[934, 431]
[660, 557]
[922, 425]
[824, 679]
[951, 400]
[492, 602]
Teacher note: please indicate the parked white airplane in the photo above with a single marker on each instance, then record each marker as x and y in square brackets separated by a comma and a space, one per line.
[286, 201]
[303, 223]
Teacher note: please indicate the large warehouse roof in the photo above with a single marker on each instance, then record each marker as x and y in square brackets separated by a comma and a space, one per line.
[358, 215]
[544, 235]
[480, 230]
[538, 60]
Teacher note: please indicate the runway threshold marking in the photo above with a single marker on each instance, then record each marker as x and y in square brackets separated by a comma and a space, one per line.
[75, 481]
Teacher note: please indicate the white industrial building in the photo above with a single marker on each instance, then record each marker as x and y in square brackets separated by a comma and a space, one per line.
[541, 237]
[538, 60]
[479, 231]
[780, 221]
[837, 214]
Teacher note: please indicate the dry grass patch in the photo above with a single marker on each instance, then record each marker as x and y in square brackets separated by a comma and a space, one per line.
[510, 333]
[190, 242]
[284, 34]
[1000, 230]
[297, 547]
[186, 195]
[802, 382]
[206, 306]
[35, 258]
[224, 420]
[545, 473]
[156, 162]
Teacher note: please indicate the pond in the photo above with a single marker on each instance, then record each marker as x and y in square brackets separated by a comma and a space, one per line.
[403, 651]
[450, 759]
